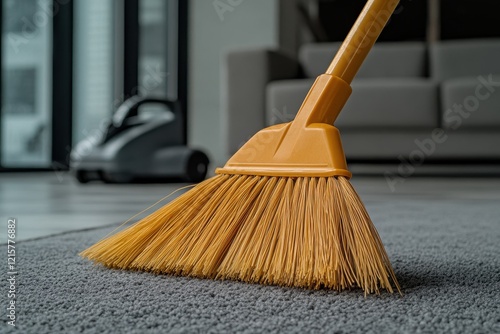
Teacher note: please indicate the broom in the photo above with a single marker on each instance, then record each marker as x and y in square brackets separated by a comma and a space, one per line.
[282, 211]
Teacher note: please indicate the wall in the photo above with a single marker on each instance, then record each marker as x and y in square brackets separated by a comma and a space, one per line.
[215, 27]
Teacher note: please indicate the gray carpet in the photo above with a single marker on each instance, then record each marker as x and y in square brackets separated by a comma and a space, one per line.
[445, 254]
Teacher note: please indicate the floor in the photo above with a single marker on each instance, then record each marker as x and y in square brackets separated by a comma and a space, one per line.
[441, 234]
[50, 203]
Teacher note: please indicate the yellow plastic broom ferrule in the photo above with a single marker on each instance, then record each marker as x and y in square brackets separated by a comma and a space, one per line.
[310, 146]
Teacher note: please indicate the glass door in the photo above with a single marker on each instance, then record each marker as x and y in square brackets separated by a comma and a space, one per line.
[156, 53]
[162, 52]
[26, 118]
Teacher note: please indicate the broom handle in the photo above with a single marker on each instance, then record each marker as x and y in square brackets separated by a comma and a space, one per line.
[361, 38]
[330, 91]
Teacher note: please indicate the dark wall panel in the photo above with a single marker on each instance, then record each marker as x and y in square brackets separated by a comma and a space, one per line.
[408, 23]
[470, 19]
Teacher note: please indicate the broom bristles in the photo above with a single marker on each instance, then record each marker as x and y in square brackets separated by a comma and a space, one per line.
[304, 232]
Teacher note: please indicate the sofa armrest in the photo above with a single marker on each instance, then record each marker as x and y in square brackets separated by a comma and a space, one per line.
[245, 74]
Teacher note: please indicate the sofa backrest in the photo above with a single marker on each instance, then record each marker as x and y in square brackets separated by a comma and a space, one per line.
[464, 58]
[386, 59]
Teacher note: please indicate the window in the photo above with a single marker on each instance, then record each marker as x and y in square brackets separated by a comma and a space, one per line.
[26, 118]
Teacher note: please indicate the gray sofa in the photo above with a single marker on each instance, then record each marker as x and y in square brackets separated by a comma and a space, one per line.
[410, 100]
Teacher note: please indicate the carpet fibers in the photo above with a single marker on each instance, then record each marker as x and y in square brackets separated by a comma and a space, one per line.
[445, 254]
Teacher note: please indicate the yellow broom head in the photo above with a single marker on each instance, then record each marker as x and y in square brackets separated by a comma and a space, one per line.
[282, 211]
[304, 232]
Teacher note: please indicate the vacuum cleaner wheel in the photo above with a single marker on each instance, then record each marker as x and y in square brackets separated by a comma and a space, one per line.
[81, 176]
[197, 167]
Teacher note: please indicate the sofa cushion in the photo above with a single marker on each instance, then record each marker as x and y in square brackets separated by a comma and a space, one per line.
[472, 102]
[381, 103]
[462, 58]
[386, 60]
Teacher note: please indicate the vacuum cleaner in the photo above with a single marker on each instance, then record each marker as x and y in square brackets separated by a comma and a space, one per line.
[133, 148]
